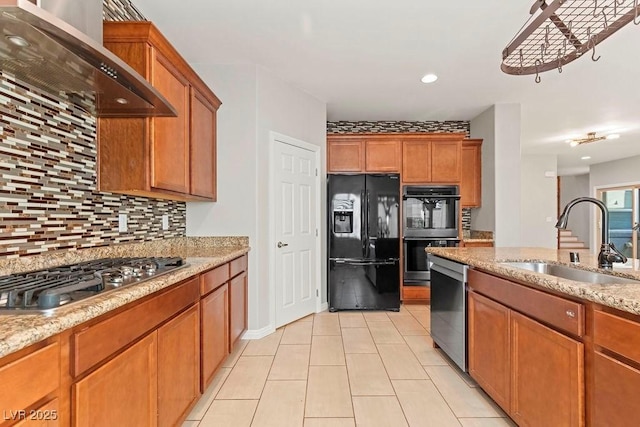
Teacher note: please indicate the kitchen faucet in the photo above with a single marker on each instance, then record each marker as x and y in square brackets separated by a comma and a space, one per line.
[608, 252]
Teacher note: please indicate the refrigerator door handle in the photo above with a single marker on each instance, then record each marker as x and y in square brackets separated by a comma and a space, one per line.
[363, 219]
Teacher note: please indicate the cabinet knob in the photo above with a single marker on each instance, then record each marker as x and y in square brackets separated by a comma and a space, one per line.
[282, 245]
[571, 313]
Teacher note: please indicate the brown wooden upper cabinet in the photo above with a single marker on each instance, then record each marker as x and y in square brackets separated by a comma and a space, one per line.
[382, 156]
[471, 181]
[345, 154]
[163, 157]
[360, 154]
[432, 160]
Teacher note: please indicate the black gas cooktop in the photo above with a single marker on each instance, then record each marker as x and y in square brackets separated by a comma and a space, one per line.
[44, 290]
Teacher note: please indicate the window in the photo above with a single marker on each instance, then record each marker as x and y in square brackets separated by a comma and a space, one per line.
[623, 204]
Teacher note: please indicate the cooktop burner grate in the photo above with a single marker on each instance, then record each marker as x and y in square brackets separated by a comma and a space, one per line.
[57, 286]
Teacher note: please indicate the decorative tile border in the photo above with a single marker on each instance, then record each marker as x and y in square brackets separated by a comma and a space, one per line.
[48, 194]
[120, 10]
[397, 127]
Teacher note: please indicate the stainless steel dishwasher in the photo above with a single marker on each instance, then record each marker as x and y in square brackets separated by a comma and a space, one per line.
[449, 308]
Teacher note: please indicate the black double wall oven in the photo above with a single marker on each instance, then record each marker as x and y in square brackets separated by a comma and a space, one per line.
[431, 216]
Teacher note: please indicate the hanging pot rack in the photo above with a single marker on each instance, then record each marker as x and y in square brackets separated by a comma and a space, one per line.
[563, 31]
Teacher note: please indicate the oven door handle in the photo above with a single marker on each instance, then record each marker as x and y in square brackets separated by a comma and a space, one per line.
[449, 239]
[431, 196]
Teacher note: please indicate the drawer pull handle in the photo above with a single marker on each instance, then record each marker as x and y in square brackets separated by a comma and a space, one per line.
[571, 313]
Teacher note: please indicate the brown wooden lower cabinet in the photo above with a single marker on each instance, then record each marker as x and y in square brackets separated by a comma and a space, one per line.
[616, 387]
[20, 391]
[178, 367]
[489, 349]
[237, 308]
[547, 371]
[122, 392]
[535, 373]
[214, 332]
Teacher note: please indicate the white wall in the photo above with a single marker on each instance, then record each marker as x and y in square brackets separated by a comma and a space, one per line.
[499, 127]
[253, 104]
[291, 112]
[483, 126]
[538, 201]
[571, 187]
[623, 171]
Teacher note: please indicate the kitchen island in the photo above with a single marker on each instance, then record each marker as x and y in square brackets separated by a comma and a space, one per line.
[548, 350]
[137, 355]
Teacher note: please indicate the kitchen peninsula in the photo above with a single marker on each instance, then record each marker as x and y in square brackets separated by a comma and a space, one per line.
[548, 350]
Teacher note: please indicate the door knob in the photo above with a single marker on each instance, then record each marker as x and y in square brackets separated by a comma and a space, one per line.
[282, 245]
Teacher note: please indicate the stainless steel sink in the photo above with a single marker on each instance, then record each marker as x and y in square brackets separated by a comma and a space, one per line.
[570, 273]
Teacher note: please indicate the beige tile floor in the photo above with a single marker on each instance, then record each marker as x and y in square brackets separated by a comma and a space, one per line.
[345, 369]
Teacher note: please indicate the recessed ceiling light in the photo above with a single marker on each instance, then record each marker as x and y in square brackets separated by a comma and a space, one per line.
[122, 101]
[429, 78]
[18, 41]
[585, 157]
[613, 136]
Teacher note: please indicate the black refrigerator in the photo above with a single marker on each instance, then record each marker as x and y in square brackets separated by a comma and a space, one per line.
[364, 241]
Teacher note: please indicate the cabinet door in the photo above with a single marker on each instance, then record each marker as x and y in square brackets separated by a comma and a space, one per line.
[489, 350]
[214, 314]
[123, 392]
[471, 180]
[416, 161]
[382, 156]
[178, 366]
[446, 161]
[237, 308]
[345, 155]
[170, 143]
[547, 383]
[616, 385]
[203, 147]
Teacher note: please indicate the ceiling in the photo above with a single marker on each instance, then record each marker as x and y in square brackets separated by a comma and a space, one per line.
[365, 60]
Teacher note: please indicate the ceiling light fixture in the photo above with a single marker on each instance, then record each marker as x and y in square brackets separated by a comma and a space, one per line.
[585, 157]
[561, 31]
[429, 78]
[591, 137]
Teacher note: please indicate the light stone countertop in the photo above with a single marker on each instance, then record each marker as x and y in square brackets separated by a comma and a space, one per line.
[624, 297]
[201, 254]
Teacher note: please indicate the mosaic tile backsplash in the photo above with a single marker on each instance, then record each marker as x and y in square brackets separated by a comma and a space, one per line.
[48, 196]
[398, 127]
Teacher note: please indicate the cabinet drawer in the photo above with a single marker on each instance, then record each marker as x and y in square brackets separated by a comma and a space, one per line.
[238, 265]
[617, 334]
[30, 378]
[99, 341]
[563, 314]
[214, 278]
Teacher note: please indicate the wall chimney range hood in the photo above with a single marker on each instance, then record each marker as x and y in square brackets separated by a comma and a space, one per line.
[42, 50]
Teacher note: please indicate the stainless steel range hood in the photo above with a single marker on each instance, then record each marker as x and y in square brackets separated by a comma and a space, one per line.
[44, 51]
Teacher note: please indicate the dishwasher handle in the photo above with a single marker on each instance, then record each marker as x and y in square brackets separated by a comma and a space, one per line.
[449, 268]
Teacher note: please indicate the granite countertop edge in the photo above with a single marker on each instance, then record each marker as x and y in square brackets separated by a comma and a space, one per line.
[625, 297]
[19, 331]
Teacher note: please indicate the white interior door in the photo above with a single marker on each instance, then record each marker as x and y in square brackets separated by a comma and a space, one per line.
[296, 213]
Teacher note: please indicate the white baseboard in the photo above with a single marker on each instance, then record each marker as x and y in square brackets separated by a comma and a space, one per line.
[324, 306]
[256, 334]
